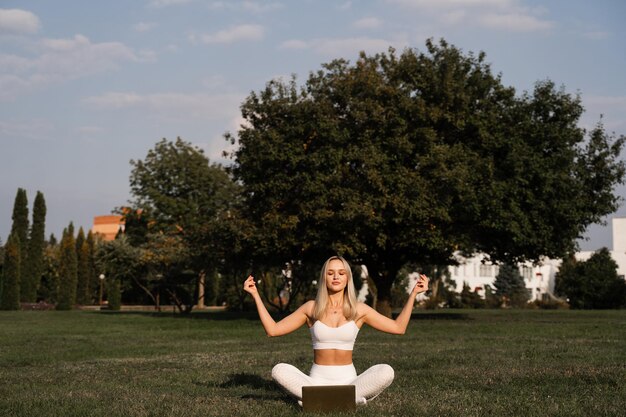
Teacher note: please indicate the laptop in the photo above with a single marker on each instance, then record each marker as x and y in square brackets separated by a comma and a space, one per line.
[326, 398]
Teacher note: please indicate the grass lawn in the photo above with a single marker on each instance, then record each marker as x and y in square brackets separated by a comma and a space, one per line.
[450, 363]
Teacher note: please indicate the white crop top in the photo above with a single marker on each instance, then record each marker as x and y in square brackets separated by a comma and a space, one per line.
[342, 337]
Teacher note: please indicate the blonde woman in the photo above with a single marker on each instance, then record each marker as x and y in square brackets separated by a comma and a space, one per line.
[334, 319]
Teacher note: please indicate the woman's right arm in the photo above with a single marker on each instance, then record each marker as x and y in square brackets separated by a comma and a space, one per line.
[284, 326]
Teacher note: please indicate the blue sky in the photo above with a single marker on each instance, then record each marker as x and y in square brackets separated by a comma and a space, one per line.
[86, 86]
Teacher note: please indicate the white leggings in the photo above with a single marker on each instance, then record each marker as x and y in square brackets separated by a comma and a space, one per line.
[368, 385]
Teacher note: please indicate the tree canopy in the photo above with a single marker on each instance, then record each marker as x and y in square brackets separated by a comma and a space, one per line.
[593, 283]
[410, 157]
[180, 200]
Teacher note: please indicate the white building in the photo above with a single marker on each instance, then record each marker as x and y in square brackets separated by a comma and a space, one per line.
[539, 279]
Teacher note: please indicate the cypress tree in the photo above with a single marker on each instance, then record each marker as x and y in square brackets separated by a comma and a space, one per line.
[32, 268]
[82, 273]
[94, 284]
[67, 270]
[10, 292]
[20, 229]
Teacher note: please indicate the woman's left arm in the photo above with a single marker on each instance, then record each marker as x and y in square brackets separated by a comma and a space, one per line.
[399, 325]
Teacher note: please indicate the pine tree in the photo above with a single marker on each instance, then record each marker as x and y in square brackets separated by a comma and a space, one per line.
[510, 286]
[10, 291]
[32, 267]
[67, 270]
[20, 229]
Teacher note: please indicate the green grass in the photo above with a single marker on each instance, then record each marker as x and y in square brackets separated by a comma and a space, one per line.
[450, 363]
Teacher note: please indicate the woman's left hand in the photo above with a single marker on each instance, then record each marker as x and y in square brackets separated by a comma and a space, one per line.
[421, 285]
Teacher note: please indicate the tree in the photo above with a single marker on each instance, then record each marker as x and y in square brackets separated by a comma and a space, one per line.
[114, 290]
[411, 157]
[184, 196]
[48, 290]
[20, 229]
[510, 286]
[32, 268]
[593, 283]
[470, 299]
[93, 280]
[67, 270]
[10, 284]
[83, 272]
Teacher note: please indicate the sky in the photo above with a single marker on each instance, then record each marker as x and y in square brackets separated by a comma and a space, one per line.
[86, 86]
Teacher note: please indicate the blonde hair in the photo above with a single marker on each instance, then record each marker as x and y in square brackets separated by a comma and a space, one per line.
[349, 294]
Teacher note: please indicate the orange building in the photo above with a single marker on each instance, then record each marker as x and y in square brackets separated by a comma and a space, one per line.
[108, 226]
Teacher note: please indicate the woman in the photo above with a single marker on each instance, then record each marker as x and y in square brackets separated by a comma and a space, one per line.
[334, 319]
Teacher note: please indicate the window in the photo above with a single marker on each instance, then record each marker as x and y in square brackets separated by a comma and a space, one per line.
[485, 270]
[527, 273]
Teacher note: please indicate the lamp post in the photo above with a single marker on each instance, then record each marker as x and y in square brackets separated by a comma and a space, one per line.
[101, 287]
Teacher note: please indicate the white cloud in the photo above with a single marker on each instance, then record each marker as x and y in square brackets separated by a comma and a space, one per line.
[596, 35]
[57, 60]
[437, 4]
[233, 34]
[13, 63]
[507, 15]
[454, 17]
[294, 44]
[18, 21]
[245, 6]
[515, 22]
[38, 129]
[345, 6]
[368, 23]
[78, 56]
[345, 47]
[174, 106]
[165, 3]
[258, 7]
[144, 26]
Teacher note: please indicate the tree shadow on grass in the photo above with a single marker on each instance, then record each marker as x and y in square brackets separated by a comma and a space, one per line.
[270, 390]
[439, 316]
[253, 315]
[194, 315]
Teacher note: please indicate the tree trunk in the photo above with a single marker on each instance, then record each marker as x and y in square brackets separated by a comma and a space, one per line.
[201, 289]
[383, 279]
[383, 302]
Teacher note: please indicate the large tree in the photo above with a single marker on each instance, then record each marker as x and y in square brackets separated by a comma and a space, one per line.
[410, 157]
[183, 196]
[33, 266]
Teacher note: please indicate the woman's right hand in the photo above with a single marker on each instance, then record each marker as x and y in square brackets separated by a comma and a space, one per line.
[249, 286]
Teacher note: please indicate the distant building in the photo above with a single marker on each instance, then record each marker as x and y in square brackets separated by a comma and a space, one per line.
[108, 226]
[539, 279]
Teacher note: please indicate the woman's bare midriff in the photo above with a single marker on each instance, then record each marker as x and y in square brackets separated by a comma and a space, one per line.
[332, 357]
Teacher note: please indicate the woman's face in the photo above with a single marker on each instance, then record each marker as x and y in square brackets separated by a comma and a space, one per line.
[336, 276]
